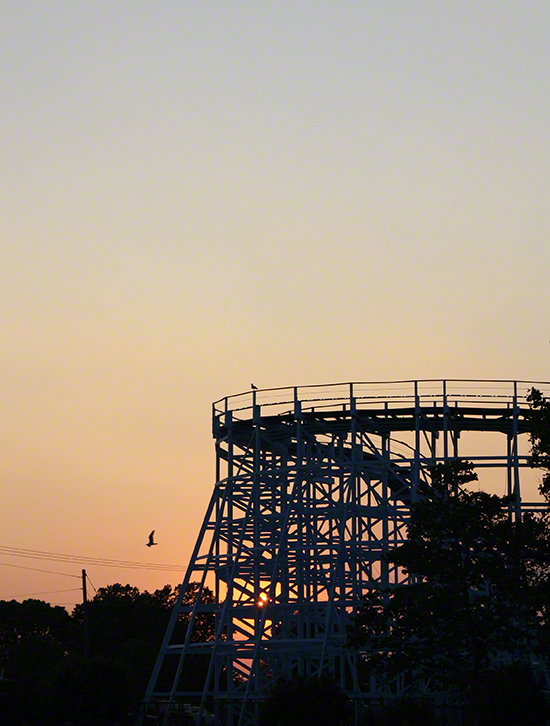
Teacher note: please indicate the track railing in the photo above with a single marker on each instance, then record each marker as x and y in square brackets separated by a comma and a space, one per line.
[490, 393]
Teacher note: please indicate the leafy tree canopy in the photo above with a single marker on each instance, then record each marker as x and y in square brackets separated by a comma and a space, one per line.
[30, 617]
[31, 626]
[119, 614]
[477, 587]
[539, 437]
[47, 677]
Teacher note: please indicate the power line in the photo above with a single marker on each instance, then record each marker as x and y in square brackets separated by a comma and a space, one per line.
[45, 592]
[80, 559]
[36, 569]
[91, 583]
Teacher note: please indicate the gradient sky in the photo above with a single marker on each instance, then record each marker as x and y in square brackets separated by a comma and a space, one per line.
[197, 195]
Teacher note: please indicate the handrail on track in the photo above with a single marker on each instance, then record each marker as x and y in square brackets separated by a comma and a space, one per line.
[362, 394]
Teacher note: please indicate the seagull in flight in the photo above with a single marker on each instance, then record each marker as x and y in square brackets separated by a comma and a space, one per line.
[151, 543]
[253, 387]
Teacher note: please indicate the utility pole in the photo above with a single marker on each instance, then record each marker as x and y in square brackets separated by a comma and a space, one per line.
[85, 619]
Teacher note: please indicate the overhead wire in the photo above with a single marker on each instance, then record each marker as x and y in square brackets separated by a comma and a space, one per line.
[85, 560]
[37, 569]
[80, 560]
[45, 592]
[91, 583]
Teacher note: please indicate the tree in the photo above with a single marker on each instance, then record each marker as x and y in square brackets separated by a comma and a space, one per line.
[46, 676]
[34, 638]
[28, 619]
[539, 437]
[477, 588]
[305, 701]
[119, 614]
[127, 627]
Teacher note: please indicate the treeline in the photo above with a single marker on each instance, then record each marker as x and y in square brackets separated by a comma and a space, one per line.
[46, 678]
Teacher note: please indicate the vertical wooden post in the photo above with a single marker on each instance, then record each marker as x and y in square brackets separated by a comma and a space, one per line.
[85, 619]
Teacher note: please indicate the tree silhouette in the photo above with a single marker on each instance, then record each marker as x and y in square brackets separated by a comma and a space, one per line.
[46, 677]
[127, 626]
[478, 585]
[34, 638]
[539, 437]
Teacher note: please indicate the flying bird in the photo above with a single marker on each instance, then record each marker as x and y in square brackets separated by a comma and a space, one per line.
[151, 543]
[253, 387]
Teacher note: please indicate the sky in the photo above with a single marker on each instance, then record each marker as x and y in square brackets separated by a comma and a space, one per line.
[196, 196]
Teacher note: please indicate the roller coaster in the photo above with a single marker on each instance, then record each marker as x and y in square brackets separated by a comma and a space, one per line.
[313, 485]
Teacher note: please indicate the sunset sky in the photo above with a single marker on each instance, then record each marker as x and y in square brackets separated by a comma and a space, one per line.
[200, 195]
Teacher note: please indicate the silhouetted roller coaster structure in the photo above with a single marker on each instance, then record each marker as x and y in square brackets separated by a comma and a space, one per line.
[313, 485]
